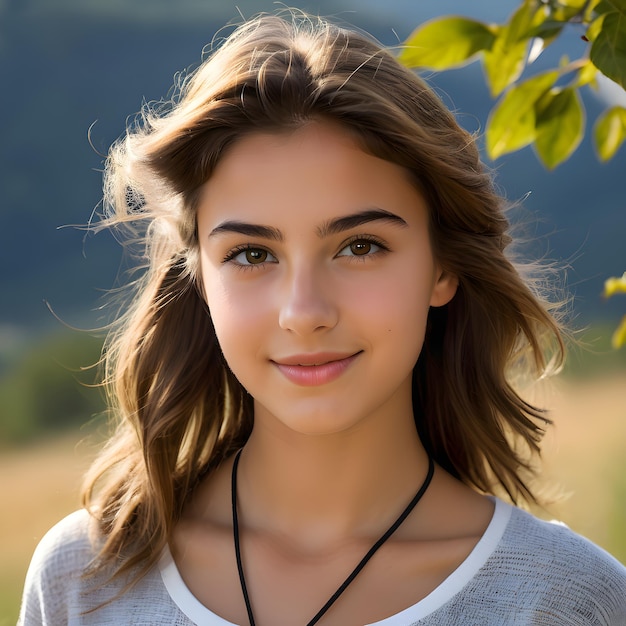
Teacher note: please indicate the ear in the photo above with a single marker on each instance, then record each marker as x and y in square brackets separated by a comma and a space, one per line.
[444, 288]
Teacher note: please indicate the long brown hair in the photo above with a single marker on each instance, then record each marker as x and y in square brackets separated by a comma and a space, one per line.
[179, 409]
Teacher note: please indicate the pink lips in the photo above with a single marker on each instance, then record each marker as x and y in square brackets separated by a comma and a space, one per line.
[309, 370]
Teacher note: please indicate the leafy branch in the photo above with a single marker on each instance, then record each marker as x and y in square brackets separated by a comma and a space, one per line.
[545, 110]
[614, 286]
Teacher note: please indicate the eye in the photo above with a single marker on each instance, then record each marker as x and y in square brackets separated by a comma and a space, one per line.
[362, 246]
[248, 255]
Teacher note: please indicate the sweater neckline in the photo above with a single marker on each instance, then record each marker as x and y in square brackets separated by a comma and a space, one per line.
[203, 616]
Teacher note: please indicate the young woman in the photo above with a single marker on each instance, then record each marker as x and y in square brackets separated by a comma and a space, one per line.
[314, 382]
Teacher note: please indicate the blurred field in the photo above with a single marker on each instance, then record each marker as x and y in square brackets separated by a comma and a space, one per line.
[585, 454]
[38, 485]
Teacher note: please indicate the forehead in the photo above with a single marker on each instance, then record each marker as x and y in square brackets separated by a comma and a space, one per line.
[263, 150]
[319, 168]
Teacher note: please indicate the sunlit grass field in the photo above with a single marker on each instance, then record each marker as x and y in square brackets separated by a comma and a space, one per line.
[585, 456]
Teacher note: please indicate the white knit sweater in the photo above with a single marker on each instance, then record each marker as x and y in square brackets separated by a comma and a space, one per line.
[523, 571]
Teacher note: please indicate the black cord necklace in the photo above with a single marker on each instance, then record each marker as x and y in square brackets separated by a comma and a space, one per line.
[355, 571]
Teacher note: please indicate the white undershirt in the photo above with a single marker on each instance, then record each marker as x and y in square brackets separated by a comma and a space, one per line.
[201, 615]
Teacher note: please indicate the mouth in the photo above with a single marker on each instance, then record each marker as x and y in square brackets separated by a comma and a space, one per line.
[312, 360]
[308, 370]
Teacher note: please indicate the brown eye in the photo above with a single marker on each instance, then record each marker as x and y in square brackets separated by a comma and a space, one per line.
[359, 248]
[256, 255]
[249, 256]
[362, 247]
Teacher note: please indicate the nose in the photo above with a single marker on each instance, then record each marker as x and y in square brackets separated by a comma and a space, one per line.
[308, 303]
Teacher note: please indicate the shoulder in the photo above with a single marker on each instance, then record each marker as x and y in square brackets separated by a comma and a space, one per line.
[66, 547]
[56, 569]
[57, 591]
[557, 542]
[561, 572]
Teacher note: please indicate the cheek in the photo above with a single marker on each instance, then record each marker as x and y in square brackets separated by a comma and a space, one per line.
[237, 314]
[396, 310]
[398, 295]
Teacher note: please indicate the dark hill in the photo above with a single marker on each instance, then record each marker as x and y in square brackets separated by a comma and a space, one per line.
[62, 70]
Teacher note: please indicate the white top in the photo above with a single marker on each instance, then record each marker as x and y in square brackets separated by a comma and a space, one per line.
[523, 571]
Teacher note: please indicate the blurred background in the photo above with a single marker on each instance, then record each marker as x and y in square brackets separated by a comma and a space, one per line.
[68, 66]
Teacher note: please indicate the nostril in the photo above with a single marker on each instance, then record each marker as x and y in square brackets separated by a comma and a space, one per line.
[307, 314]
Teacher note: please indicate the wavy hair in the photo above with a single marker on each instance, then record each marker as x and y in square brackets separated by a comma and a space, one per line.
[179, 409]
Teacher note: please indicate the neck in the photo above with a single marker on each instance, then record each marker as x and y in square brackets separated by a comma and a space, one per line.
[330, 486]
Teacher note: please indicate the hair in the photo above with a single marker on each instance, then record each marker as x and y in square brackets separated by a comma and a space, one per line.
[179, 409]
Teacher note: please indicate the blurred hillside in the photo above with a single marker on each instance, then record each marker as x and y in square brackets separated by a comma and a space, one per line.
[67, 65]
[71, 65]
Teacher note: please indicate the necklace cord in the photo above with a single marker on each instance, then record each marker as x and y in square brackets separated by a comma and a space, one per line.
[242, 578]
[355, 572]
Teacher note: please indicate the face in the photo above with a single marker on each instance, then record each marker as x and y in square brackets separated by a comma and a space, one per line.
[318, 272]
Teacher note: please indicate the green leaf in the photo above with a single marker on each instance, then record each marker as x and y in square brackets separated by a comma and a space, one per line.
[614, 285]
[504, 64]
[446, 42]
[611, 287]
[586, 74]
[547, 30]
[608, 51]
[608, 6]
[619, 336]
[560, 123]
[571, 4]
[506, 59]
[595, 28]
[610, 132]
[565, 10]
[512, 122]
[590, 10]
[542, 36]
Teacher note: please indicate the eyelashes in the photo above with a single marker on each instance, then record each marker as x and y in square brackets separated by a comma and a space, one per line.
[362, 246]
[359, 247]
[249, 255]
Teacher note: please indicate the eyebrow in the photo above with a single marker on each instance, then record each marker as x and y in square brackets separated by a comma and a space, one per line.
[331, 227]
[250, 230]
[338, 225]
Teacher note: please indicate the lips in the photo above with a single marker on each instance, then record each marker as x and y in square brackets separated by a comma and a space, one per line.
[309, 370]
